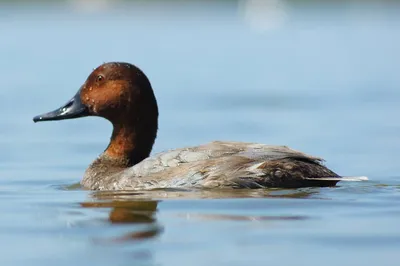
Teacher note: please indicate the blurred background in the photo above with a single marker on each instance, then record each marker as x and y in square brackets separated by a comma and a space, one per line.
[319, 76]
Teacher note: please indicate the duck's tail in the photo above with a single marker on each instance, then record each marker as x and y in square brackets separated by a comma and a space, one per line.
[343, 178]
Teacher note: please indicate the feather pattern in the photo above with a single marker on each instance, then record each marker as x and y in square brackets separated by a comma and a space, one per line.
[216, 164]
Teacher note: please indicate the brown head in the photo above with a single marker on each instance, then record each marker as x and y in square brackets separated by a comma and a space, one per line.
[121, 93]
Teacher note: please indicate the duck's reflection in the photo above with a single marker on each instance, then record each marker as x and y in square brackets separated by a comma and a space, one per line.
[139, 208]
[229, 193]
[128, 216]
[123, 211]
[133, 222]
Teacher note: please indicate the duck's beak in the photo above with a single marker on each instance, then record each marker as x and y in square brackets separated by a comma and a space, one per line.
[72, 109]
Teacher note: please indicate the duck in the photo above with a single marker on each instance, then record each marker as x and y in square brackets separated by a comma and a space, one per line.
[121, 93]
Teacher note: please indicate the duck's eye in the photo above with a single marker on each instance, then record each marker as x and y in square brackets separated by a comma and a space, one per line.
[99, 78]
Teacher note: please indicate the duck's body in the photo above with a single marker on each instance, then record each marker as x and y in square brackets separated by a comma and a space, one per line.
[121, 93]
[216, 164]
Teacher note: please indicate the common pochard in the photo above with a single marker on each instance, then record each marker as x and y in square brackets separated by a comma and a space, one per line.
[121, 93]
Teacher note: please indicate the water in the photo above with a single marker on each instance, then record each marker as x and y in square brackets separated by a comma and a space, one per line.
[321, 78]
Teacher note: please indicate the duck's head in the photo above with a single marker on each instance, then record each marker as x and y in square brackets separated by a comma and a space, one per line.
[121, 93]
[115, 91]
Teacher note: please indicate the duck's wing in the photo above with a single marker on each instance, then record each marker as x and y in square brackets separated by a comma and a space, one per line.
[217, 149]
[228, 164]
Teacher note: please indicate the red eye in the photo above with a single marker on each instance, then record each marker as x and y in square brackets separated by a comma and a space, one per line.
[99, 78]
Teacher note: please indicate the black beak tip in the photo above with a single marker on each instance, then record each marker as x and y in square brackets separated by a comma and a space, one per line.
[72, 109]
[37, 119]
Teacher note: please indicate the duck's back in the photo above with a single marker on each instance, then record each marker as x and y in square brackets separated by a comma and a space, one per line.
[223, 164]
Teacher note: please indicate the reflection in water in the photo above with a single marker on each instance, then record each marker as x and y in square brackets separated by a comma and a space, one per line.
[139, 208]
[131, 205]
[250, 218]
[125, 215]
[129, 212]
[205, 194]
[134, 236]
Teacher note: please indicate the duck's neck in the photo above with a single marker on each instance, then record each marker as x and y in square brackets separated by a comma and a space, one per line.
[129, 144]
